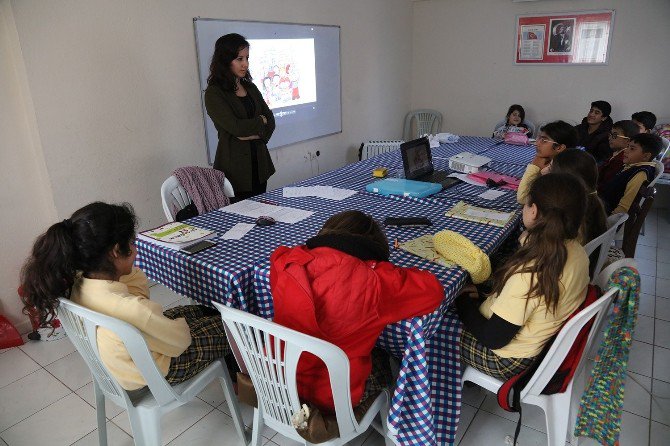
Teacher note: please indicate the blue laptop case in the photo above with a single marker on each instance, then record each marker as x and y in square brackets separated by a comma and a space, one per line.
[406, 188]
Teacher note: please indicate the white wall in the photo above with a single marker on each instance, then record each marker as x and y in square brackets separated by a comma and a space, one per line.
[117, 104]
[25, 191]
[463, 63]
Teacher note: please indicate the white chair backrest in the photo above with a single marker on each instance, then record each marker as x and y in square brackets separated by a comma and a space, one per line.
[270, 353]
[175, 198]
[604, 241]
[81, 325]
[373, 148]
[659, 172]
[664, 150]
[604, 276]
[564, 341]
[427, 121]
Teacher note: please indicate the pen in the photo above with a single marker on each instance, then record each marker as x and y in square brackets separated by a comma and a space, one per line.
[268, 202]
[396, 244]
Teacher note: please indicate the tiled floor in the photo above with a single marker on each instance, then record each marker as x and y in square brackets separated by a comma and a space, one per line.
[46, 394]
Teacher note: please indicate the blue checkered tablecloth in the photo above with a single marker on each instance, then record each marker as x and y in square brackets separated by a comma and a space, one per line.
[426, 401]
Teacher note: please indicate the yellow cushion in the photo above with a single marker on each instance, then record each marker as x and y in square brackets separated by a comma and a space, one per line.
[460, 250]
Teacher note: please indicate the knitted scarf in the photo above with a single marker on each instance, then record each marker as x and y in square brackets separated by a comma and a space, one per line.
[600, 408]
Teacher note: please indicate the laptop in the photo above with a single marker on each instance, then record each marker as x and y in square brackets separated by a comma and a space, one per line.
[417, 161]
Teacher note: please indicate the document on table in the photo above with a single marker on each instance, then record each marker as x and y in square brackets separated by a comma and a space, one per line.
[464, 177]
[485, 216]
[330, 192]
[238, 231]
[492, 194]
[254, 209]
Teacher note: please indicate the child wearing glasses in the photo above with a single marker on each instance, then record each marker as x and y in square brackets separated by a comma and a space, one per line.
[536, 290]
[514, 122]
[553, 138]
[620, 192]
[619, 138]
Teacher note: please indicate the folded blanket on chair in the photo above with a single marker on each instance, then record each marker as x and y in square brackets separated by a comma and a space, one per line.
[204, 186]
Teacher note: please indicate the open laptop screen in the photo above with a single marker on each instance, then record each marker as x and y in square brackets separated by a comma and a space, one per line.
[416, 158]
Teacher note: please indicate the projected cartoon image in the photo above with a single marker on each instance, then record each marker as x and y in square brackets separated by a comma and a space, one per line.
[284, 71]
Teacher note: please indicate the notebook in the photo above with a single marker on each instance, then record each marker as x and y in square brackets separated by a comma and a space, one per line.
[406, 188]
[417, 161]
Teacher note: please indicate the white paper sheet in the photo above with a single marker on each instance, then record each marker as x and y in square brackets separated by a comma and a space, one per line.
[238, 231]
[492, 194]
[329, 192]
[254, 209]
[464, 177]
[491, 215]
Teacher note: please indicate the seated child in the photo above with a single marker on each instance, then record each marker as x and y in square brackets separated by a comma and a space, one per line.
[536, 290]
[513, 123]
[619, 137]
[594, 129]
[553, 138]
[645, 120]
[88, 258]
[341, 287]
[620, 192]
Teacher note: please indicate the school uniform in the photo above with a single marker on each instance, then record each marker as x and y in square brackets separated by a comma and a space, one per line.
[620, 192]
[609, 169]
[531, 173]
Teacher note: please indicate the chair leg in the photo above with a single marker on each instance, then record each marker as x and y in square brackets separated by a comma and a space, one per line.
[100, 413]
[146, 426]
[557, 414]
[231, 400]
[256, 434]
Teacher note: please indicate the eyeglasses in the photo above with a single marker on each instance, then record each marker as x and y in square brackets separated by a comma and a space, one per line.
[544, 139]
[615, 135]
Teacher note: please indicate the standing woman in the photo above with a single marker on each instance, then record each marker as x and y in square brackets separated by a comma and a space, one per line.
[241, 117]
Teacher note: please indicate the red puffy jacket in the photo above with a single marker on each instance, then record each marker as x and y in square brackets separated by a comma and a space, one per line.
[337, 297]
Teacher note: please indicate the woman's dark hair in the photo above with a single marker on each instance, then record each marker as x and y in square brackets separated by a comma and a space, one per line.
[560, 199]
[561, 132]
[226, 50]
[628, 127]
[583, 165]
[512, 109]
[359, 224]
[79, 243]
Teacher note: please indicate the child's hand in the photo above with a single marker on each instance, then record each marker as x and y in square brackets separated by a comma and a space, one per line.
[541, 162]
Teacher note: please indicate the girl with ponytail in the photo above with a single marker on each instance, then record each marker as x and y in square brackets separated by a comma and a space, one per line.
[88, 258]
[536, 290]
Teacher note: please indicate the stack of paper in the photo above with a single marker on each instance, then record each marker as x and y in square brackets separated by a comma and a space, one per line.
[423, 247]
[330, 192]
[486, 216]
[254, 209]
[176, 235]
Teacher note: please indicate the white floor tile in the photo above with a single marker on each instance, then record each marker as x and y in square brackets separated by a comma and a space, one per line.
[637, 394]
[27, 396]
[115, 437]
[467, 415]
[645, 253]
[634, 432]
[661, 364]
[71, 371]
[213, 394]
[46, 352]
[640, 358]
[533, 416]
[646, 267]
[62, 423]
[215, 427]
[647, 240]
[644, 330]
[86, 393]
[662, 310]
[648, 285]
[15, 364]
[173, 423]
[663, 255]
[660, 434]
[248, 418]
[488, 429]
[660, 402]
[473, 395]
[164, 295]
[663, 270]
[647, 305]
[662, 287]
[374, 439]
[662, 334]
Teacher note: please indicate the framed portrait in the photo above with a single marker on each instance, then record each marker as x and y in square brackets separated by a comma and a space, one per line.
[581, 38]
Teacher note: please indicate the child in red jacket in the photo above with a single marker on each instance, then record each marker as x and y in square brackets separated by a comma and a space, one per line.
[340, 287]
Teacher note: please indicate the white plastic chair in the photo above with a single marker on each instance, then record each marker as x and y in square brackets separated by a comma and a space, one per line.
[530, 125]
[427, 121]
[175, 198]
[664, 151]
[273, 373]
[558, 408]
[659, 172]
[372, 148]
[144, 411]
[604, 242]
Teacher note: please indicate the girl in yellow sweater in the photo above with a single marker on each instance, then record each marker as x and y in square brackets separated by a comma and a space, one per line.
[88, 258]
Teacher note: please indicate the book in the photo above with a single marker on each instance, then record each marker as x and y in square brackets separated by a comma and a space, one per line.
[176, 235]
[480, 215]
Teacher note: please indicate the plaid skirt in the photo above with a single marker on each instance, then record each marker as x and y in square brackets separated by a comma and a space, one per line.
[483, 359]
[208, 341]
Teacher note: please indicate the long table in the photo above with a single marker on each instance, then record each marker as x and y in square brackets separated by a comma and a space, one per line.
[426, 401]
